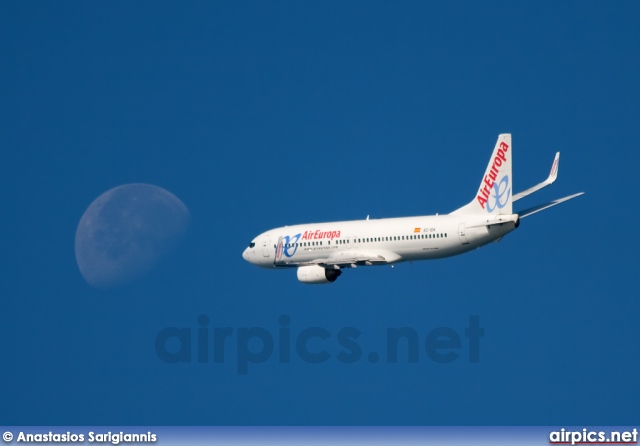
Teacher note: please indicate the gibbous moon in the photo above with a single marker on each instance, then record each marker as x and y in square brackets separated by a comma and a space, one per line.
[126, 231]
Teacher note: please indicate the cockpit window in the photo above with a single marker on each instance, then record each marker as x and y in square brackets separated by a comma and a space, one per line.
[251, 245]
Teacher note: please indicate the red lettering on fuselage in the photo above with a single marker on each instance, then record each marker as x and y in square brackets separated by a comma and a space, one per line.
[318, 234]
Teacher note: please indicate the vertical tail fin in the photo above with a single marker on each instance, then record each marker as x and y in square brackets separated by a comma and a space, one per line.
[494, 195]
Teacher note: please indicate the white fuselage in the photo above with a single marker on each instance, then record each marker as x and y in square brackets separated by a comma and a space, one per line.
[396, 239]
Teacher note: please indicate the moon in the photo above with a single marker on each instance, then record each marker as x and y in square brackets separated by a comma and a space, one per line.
[125, 232]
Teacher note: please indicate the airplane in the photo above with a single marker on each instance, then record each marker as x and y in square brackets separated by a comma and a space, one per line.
[320, 251]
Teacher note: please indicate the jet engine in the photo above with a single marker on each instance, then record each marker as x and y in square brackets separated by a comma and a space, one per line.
[317, 274]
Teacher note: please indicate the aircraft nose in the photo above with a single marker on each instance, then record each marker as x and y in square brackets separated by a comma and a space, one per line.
[245, 254]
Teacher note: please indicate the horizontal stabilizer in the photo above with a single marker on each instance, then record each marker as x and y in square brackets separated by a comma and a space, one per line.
[500, 220]
[542, 207]
[552, 177]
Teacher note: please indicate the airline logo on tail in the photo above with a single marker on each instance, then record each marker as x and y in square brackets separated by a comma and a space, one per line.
[501, 188]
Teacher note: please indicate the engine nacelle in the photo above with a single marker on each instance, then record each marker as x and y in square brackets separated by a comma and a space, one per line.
[317, 274]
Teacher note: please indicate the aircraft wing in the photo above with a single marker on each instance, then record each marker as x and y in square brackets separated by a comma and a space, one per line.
[352, 259]
[552, 177]
[526, 212]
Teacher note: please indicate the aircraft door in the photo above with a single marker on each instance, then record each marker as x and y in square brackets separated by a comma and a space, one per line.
[266, 247]
[355, 241]
[462, 234]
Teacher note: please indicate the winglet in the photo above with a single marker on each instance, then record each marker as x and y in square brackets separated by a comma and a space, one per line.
[553, 175]
[554, 169]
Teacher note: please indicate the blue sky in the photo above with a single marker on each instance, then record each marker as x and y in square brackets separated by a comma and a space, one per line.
[262, 114]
